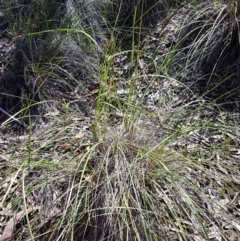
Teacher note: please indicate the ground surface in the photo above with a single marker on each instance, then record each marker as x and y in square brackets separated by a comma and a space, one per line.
[167, 99]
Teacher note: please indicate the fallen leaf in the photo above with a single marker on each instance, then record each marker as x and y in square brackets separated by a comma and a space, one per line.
[5, 157]
[198, 238]
[223, 203]
[80, 135]
[94, 91]
[237, 226]
[53, 113]
[8, 230]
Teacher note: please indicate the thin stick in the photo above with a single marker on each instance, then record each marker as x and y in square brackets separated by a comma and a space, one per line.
[12, 117]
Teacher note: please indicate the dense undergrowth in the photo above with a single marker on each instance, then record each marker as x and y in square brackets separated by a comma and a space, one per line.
[129, 114]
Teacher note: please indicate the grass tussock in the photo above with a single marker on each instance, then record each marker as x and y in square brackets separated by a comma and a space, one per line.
[120, 144]
[211, 40]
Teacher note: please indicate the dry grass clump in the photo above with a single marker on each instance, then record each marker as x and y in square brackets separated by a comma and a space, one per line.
[129, 18]
[124, 173]
[210, 38]
[141, 188]
[131, 13]
[130, 184]
[57, 48]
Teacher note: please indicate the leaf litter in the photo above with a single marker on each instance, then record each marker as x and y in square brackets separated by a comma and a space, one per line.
[167, 98]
